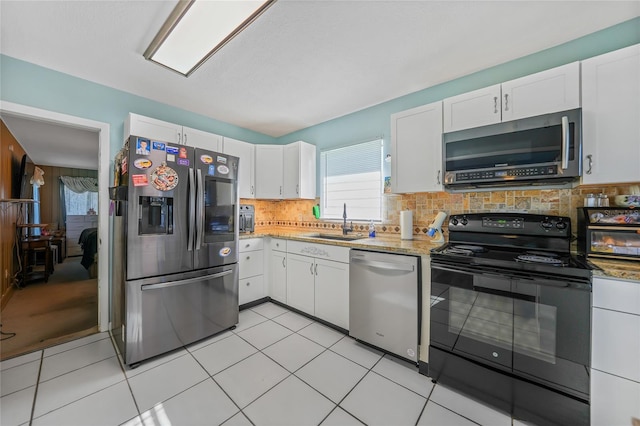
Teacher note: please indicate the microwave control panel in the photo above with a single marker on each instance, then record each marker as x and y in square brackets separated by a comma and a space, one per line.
[510, 173]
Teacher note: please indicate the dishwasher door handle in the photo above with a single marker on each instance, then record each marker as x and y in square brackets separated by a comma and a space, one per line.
[383, 265]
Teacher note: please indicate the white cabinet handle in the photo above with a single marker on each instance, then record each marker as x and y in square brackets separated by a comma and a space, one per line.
[179, 139]
[251, 189]
[590, 158]
[247, 245]
[185, 138]
[495, 104]
[506, 102]
[283, 264]
[297, 189]
[316, 269]
[438, 177]
[280, 189]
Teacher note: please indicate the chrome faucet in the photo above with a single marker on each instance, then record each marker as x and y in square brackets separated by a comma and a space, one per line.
[345, 230]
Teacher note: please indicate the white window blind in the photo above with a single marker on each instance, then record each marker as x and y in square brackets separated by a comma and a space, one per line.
[352, 175]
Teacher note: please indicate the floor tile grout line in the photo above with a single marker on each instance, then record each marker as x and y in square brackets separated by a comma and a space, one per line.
[79, 368]
[24, 363]
[455, 412]
[124, 373]
[75, 347]
[35, 391]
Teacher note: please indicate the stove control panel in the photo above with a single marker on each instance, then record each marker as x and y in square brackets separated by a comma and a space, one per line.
[506, 223]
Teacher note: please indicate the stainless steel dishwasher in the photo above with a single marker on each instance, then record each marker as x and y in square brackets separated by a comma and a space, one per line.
[384, 301]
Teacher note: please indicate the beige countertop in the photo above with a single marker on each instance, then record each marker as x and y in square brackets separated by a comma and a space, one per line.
[386, 243]
[623, 269]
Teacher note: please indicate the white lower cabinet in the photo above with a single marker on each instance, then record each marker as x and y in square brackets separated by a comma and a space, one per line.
[615, 358]
[300, 283]
[277, 265]
[250, 270]
[332, 292]
[318, 281]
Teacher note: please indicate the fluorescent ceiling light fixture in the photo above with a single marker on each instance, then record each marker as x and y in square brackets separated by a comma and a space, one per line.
[196, 30]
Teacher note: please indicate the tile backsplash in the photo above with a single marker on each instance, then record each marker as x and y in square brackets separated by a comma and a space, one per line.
[298, 215]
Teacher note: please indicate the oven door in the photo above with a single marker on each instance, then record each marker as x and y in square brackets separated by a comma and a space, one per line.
[533, 326]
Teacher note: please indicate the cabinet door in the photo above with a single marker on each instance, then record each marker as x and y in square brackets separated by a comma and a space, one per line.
[307, 171]
[472, 109]
[616, 343]
[269, 165]
[291, 171]
[278, 276]
[300, 283]
[614, 400]
[332, 292]
[553, 90]
[416, 149]
[246, 153]
[200, 139]
[151, 128]
[610, 111]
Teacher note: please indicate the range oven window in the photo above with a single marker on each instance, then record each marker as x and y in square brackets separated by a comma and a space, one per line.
[534, 327]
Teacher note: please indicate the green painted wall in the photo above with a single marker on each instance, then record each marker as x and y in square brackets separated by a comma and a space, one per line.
[28, 84]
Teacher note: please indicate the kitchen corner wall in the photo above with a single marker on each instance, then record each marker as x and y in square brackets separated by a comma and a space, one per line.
[296, 215]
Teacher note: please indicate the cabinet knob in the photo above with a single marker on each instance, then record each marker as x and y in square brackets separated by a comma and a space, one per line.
[248, 257]
[506, 102]
[248, 283]
[495, 104]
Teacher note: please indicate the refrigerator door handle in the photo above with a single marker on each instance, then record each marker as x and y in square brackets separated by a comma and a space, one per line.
[184, 282]
[200, 211]
[192, 210]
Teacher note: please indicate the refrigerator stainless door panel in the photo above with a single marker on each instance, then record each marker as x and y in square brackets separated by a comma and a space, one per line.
[157, 235]
[166, 314]
[217, 209]
[384, 300]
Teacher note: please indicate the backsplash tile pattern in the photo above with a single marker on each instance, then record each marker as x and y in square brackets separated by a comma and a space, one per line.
[297, 214]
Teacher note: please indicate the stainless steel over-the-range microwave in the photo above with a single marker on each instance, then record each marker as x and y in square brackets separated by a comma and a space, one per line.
[542, 150]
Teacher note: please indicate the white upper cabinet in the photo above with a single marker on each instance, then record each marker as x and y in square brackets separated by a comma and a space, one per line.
[269, 175]
[164, 131]
[246, 174]
[139, 125]
[472, 109]
[611, 117]
[200, 139]
[557, 89]
[299, 177]
[554, 90]
[416, 149]
[286, 171]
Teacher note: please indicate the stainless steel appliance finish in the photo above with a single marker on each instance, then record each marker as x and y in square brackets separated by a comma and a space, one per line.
[175, 219]
[247, 218]
[542, 150]
[511, 314]
[384, 300]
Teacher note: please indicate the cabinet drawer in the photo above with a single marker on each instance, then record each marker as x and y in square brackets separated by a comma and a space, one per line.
[251, 263]
[278, 244]
[616, 343]
[613, 400]
[616, 295]
[320, 251]
[250, 244]
[250, 289]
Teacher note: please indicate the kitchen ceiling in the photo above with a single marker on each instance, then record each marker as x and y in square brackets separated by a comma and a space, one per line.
[302, 62]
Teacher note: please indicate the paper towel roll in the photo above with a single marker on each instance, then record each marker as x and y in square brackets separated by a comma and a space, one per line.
[406, 225]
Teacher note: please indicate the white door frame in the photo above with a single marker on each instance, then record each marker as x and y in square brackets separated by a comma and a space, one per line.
[103, 130]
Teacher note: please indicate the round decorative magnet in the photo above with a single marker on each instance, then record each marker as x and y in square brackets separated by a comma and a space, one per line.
[164, 178]
[142, 163]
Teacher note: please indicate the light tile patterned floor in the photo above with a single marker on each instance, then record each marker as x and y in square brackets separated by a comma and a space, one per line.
[275, 368]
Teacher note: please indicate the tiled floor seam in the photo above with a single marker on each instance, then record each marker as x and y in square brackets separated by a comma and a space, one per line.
[76, 369]
[74, 348]
[35, 391]
[124, 373]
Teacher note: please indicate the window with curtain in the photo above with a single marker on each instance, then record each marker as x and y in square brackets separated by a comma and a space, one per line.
[352, 175]
[78, 195]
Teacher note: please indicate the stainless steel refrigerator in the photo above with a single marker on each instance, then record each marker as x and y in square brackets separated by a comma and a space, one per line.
[175, 252]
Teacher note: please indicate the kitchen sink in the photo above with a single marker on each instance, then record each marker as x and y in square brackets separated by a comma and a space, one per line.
[336, 237]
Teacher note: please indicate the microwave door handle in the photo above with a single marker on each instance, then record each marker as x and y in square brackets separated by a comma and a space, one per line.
[200, 211]
[192, 210]
[566, 136]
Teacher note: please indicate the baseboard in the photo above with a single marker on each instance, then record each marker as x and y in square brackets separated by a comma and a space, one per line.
[254, 303]
[6, 296]
[423, 368]
[304, 314]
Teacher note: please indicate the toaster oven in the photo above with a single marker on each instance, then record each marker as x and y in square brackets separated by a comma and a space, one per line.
[247, 218]
[609, 232]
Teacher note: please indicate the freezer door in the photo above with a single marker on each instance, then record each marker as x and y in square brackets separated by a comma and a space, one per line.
[217, 209]
[168, 314]
[158, 208]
